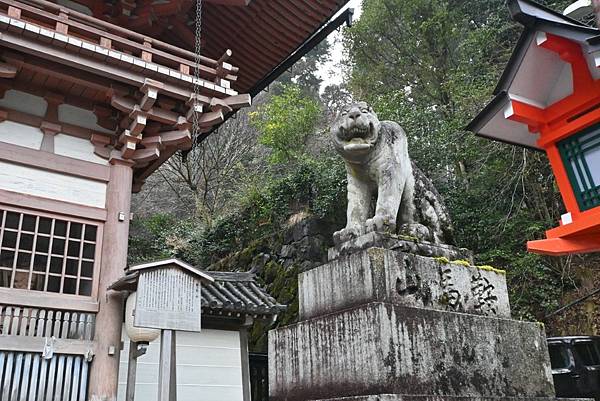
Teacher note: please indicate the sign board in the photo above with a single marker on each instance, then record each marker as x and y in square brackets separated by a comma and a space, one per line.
[168, 298]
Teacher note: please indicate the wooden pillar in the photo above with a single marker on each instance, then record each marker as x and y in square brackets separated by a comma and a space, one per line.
[131, 371]
[104, 373]
[246, 385]
[247, 391]
[167, 370]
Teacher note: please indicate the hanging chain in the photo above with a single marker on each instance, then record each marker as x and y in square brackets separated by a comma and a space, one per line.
[197, 60]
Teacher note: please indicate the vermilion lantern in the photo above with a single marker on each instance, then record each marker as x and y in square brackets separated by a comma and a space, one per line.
[548, 98]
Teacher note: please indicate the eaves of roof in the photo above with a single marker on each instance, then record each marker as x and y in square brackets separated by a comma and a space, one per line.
[229, 293]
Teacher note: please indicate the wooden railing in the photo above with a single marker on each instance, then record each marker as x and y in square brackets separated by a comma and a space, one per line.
[64, 20]
[29, 376]
[35, 322]
[44, 353]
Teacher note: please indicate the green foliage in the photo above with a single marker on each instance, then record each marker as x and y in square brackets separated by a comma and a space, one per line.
[285, 122]
[317, 187]
[305, 72]
[232, 242]
[535, 287]
[149, 238]
[431, 66]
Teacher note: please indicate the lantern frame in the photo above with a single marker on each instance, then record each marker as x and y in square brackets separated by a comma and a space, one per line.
[548, 98]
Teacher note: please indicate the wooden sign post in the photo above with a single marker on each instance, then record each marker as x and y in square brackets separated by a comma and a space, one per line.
[168, 298]
[167, 370]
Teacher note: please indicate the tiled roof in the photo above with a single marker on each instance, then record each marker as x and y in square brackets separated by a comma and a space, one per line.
[238, 292]
[231, 293]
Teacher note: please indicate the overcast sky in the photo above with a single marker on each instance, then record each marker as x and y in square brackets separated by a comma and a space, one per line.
[330, 71]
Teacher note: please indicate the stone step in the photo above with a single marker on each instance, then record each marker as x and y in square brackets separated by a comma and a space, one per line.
[378, 274]
[384, 348]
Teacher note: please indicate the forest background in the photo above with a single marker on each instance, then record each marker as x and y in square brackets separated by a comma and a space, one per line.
[431, 66]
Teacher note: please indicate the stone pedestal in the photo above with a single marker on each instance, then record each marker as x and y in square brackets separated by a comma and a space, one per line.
[385, 325]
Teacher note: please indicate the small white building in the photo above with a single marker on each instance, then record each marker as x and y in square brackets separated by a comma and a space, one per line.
[212, 365]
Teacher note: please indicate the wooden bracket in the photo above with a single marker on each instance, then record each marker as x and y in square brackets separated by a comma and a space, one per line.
[101, 144]
[212, 118]
[182, 123]
[128, 150]
[217, 104]
[139, 121]
[8, 70]
[181, 138]
[157, 114]
[195, 107]
[525, 113]
[50, 128]
[239, 101]
[128, 136]
[150, 90]
[152, 141]
[146, 155]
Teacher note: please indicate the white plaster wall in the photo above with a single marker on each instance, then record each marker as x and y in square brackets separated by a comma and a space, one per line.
[47, 184]
[208, 368]
[79, 117]
[75, 6]
[24, 102]
[77, 148]
[21, 134]
[563, 86]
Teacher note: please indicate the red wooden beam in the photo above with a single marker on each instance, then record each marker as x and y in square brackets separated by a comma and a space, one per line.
[525, 113]
[565, 246]
[570, 52]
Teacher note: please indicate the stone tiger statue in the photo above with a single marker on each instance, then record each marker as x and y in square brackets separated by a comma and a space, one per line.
[378, 167]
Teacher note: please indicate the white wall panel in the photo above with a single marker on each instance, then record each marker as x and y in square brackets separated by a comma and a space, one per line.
[80, 117]
[77, 148]
[24, 102]
[208, 368]
[21, 134]
[47, 184]
[538, 74]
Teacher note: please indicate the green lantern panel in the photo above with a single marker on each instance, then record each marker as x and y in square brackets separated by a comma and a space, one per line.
[581, 157]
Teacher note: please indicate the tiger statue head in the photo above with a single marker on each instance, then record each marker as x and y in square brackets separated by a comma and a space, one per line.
[355, 131]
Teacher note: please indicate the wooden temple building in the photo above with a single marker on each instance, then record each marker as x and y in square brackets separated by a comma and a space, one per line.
[94, 97]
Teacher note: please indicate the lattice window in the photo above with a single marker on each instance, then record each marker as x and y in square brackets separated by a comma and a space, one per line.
[45, 253]
[581, 158]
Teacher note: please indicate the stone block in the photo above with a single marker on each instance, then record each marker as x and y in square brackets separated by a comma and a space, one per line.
[400, 243]
[308, 227]
[381, 348]
[378, 274]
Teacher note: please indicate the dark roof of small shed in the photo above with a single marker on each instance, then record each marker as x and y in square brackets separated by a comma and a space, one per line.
[238, 292]
[231, 293]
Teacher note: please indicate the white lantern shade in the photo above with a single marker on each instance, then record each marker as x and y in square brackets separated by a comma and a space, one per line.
[137, 334]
